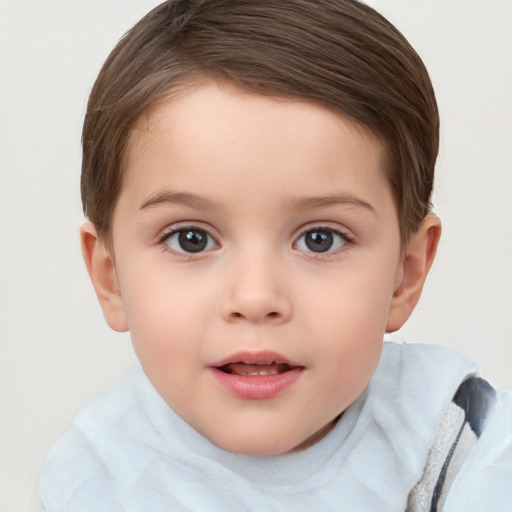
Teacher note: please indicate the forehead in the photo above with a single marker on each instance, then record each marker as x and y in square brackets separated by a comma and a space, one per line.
[201, 97]
[210, 130]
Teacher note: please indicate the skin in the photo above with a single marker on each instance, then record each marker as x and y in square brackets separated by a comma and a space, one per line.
[258, 176]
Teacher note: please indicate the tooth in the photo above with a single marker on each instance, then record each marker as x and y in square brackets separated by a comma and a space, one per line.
[266, 371]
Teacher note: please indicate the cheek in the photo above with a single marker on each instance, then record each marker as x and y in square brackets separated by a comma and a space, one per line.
[351, 321]
[349, 360]
[355, 302]
[164, 318]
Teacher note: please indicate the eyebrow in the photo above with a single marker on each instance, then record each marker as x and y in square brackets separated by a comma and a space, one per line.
[181, 198]
[306, 203]
[299, 203]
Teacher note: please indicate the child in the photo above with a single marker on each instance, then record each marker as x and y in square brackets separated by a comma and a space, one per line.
[257, 179]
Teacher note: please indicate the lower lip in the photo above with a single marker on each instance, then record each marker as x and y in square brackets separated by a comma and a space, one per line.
[256, 387]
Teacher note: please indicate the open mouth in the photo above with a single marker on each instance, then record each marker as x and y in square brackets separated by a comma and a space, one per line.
[256, 375]
[254, 369]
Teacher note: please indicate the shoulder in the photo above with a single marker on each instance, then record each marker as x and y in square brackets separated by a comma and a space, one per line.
[484, 481]
[70, 467]
[425, 375]
[88, 458]
[472, 423]
[429, 356]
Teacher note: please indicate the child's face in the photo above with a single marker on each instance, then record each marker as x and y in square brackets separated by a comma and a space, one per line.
[260, 231]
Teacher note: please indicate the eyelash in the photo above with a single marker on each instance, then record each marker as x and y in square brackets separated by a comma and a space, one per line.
[344, 236]
[169, 233]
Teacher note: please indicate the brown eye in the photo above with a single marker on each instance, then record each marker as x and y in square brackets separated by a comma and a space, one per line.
[321, 240]
[190, 240]
[318, 241]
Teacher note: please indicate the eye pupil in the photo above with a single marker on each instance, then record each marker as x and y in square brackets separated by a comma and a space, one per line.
[193, 240]
[319, 241]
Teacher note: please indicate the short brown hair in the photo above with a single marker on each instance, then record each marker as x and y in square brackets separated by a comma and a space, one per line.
[339, 53]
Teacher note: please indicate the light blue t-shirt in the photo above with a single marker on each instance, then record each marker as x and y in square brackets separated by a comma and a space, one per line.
[129, 451]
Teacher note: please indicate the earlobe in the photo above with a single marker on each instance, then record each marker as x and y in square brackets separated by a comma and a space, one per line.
[101, 268]
[420, 254]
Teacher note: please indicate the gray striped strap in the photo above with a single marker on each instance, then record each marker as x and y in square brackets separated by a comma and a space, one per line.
[462, 426]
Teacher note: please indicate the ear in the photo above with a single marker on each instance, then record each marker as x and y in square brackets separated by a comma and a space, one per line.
[101, 268]
[413, 271]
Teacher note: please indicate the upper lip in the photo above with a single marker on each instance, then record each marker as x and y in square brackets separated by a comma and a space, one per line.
[260, 357]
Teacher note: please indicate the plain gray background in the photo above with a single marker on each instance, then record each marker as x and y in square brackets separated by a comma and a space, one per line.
[55, 348]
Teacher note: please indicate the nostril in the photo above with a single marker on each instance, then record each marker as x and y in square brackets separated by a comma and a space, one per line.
[271, 315]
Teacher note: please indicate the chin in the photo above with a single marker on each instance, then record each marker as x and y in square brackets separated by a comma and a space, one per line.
[254, 446]
[265, 441]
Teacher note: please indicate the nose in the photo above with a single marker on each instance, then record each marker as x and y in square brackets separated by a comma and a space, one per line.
[256, 293]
